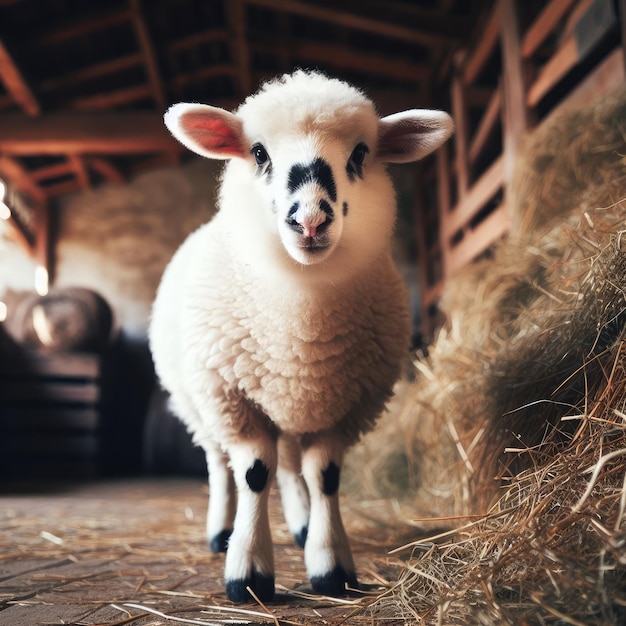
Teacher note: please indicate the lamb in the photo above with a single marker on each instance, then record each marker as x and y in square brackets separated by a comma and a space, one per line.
[280, 326]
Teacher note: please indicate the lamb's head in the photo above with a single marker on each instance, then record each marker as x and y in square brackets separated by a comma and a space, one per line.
[307, 165]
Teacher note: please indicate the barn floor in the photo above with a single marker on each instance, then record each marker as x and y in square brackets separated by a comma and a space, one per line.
[113, 553]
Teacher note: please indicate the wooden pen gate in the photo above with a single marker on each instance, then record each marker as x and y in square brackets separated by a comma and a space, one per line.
[520, 69]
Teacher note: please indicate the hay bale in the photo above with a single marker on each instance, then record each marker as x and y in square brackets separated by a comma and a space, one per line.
[71, 319]
[520, 405]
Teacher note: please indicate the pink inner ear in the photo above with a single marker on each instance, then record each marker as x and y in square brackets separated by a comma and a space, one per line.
[212, 133]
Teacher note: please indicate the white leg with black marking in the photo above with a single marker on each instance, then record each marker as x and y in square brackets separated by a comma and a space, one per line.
[222, 501]
[250, 558]
[294, 494]
[327, 553]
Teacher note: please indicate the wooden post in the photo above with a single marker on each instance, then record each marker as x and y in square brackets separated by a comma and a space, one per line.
[622, 18]
[241, 52]
[422, 251]
[515, 120]
[459, 112]
[443, 198]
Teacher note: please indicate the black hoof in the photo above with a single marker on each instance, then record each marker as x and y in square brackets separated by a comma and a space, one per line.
[263, 587]
[219, 543]
[301, 536]
[334, 583]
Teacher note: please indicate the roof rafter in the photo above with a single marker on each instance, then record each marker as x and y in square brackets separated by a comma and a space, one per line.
[123, 132]
[357, 22]
[16, 84]
[148, 53]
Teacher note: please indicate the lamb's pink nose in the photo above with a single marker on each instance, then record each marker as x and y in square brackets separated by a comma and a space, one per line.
[309, 228]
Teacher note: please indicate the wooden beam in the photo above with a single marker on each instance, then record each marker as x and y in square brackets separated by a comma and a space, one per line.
[148, 54]
[486, 126]
[348, 59]
[622, 18]
[93, 71]
[127, 132]
[112, 98]
[105, 169]
[20, 178]
[481, 192]
[239, 44]
[487, 41]
[83, 27]
[443, 203]
[515, 117]
[606, 77]
[197, 39]
[476, 241]
[15, 83]
[210, 71]
[556, 68]
[79, 169]
[461, 131]
[21, 235]
[54, 170]
[357, 22]
[62, 188]
[544, 24]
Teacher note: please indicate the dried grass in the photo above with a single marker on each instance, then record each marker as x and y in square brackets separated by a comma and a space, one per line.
[519, 412]
[553, 545]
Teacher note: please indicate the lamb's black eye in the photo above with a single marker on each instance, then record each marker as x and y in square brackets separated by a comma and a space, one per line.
[354, 166]
[358, 154]
[260, 154]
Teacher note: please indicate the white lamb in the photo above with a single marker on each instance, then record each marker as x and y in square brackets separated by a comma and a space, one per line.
[279, 327]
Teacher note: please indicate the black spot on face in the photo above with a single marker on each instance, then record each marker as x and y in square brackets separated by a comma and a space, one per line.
[318, 172]
[257, 476]
[326, 208]
[330, 479]
[345, 208]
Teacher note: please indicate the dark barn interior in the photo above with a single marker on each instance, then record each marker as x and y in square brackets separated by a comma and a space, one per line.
[102, 495]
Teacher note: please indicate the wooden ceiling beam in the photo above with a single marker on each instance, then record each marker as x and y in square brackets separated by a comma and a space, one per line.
[544, 24]
[197, 39]
[122, 132]
[54, 170]
[239, 45]
[347, 59]
[210, 71]
[79, 169]
[106, 169]
[113, 98]
[148, 54]
[20, 178]
[93, 71]
[61, 33]
[15, 83]
[21, 234]
[357, 22]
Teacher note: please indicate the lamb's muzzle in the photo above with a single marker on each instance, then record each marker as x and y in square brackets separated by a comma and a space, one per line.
[279, 328]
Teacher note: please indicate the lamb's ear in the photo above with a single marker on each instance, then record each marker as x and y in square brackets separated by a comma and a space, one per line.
[208, 131]
[411, 135]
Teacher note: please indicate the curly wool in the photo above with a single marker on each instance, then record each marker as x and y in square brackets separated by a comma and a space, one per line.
[308, 358]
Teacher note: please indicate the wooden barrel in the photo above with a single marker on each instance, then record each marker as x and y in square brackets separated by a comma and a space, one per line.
[70, 319]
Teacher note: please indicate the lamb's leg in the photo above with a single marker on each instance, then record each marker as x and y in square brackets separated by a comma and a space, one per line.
[293, 490]
[327, 552]
[221, 512]
[250, 559]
